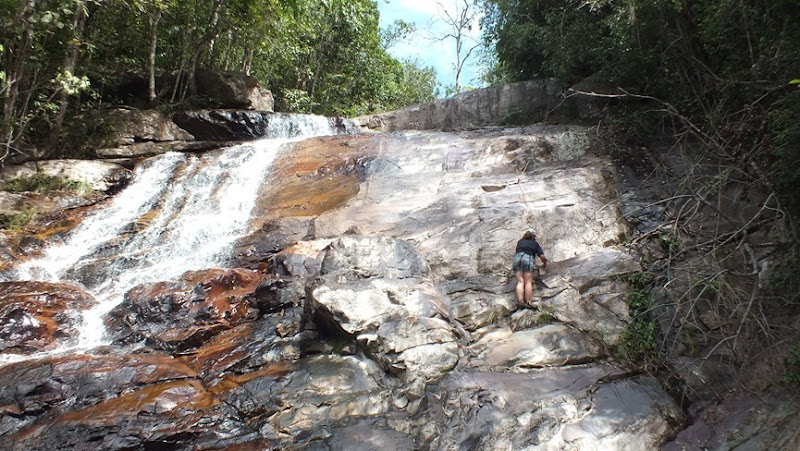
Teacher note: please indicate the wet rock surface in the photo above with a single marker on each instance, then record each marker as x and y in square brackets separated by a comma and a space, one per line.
[183, 314]
[38, 316]
[372, 306]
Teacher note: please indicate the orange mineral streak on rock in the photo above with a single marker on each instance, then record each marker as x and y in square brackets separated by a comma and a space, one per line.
[231, 382]
[220, 352]
[35, 315]
[316, 176]
[225, 290]
[137, 368]
[177, 396]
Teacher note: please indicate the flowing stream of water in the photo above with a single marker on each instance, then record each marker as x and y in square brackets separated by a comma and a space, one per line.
[186, 210]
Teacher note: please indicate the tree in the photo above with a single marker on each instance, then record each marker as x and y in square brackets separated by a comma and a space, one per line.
[460, 17]
[396, 32]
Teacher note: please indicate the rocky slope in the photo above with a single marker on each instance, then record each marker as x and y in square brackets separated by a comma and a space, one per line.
[370, 306]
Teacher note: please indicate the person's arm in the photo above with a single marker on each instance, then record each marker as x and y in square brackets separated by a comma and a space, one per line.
[544, 261]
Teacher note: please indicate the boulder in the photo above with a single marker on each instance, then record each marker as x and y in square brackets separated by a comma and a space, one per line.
[184, 313]
[39, 316]
[550, 345]
[98, 175]
[122, 127]
[233, 90]
[415, 347]
[223, 125]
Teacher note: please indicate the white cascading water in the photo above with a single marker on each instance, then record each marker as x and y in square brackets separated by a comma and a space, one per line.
[190, 209]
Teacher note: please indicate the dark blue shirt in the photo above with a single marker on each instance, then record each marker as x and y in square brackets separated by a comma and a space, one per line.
[530, 247]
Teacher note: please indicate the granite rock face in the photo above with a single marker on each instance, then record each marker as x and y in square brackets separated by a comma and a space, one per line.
[377, 307]
[479, 107]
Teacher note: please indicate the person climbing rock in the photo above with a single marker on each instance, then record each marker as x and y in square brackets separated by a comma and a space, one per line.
[524, 266]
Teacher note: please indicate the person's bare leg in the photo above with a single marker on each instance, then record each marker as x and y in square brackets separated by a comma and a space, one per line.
[520, 286]
[528, 282]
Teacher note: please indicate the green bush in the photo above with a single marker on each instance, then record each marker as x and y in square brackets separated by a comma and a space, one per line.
[17, 221]
[637, 343]
[43, 183]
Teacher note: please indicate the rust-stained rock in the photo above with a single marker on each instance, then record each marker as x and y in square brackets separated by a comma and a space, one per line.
[249, 347]
[37, 316]
[57, 383]
[153, 413]
[319, 174]
[184, 313]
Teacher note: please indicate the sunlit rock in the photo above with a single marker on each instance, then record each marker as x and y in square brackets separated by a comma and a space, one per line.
[586, 292]
[414, 347]
[97, 175]
[377, 305]
[550, 345]
[322, 391]
[38, 316]
[554, 409]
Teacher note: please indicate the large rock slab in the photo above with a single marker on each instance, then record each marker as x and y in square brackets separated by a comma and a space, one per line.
[587, 292]
[741, 420]
[123, 126]
[98, 175]
[554, 409]
[493, 105]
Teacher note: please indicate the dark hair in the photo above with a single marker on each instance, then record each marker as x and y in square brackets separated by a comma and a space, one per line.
[529, 235]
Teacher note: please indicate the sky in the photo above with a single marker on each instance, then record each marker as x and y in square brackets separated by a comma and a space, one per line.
[426, 16]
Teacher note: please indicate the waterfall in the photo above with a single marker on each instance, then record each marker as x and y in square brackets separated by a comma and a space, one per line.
[181, 212]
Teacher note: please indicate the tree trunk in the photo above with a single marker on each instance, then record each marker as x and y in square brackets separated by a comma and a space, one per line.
[247, 61]
[10, 133]
[70, 62]
[151, 61]
[207, 40]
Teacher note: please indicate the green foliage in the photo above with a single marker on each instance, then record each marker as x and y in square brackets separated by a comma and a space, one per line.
[792, 362]
[17, 221]
[784, 159]
[43, 183]
[637, 343]
[710, 60]
[547, 316]
[319, 56]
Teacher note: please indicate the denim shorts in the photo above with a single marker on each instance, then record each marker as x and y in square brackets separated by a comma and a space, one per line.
[523, 262]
